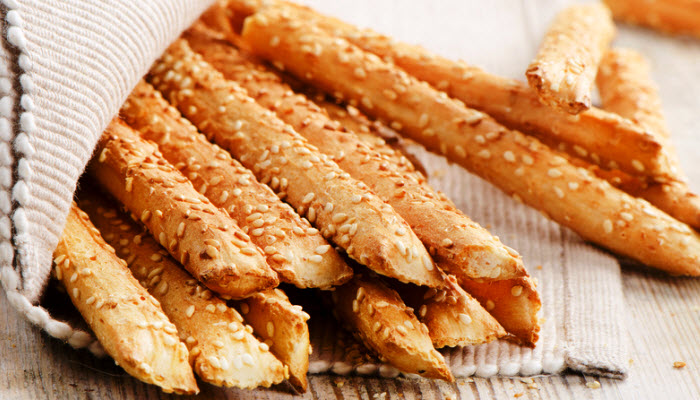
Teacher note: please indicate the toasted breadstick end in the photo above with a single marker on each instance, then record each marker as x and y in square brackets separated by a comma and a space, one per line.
[513, 103]
[283, 327]
[514, 303]
[385, 325]
[520, 165]
[669, 16]
[459, 245]
[345, 210]
[299, 255]
[221, 351]
[453, 317]
[564, 69]
[203, 238]
[127, 321]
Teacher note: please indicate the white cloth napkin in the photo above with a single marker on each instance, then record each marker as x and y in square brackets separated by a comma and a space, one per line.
[66, 67]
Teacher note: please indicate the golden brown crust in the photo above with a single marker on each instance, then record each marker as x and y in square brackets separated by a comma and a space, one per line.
[513, 103]
[343, 208]
[453, 317]
[520, 165]
[513, 302]
[300, 256]
[459, 245]
[563, 72]
[221, 350]
[385, 325]
[626, 88]
[283, 326]
[127, 321]
[203, 238]
[668, 16]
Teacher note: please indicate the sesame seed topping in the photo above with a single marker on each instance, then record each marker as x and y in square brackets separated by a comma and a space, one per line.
[516, 290]
[308, 198]
[626, 216]
[528, 160]
[245, 309]
[490, 305]
[459, 150]
[464, 318]
[485, 154]
[509, 156]
[323, 249]
[270, 328]
[90, 300]
[607, 226]
[248, 359]
[446, 242]
[559, 192]
[190, 311]
[638, 165]
[573, 185]
[554, 173]
[74, 277]
[339, 217]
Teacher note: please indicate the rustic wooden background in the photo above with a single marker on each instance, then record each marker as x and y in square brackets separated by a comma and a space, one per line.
[663, 313]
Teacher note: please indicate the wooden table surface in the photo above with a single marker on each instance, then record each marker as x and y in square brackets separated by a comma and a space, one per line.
[663, 313]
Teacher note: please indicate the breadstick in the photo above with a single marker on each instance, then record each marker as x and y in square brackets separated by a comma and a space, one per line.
[520, 165]
[384, 140]
[284, 326]
[385, 325]
[344, 209]
[452, 316]
[300, 256]
[221, 351]
[598, 136]
[626, 88]
[127, 321]
[669, 16]
[203, 238]
[563, 72]
[459, 245]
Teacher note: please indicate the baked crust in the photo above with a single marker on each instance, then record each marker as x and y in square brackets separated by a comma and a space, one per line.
[127, 321]
[203, 238]
[300, 255]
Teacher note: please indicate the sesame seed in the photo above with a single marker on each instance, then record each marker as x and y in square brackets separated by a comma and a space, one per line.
[360, 73]
[519, 172]
[573, 185]
[480, 139]
[559, 192]
[248, 359]
[145, 215]
[270, 328]
[485, 154]
[190, 311]
[355, 306]
[490, 305]
[509, 156]
[528, 160]
[90, 300]
[464, 318]
[516, 290]
[238, 335]
[181, 229]
[638, 165]
[156, 257]
[308, 198]
[427, 263]
[212, 251]
[593, 385]
[245, 308]
[74, 277]
[76, 293]
[554, 173]
[607, 226]
[323, 249]
[402, 329]
[626, 216]
[339, 217]
[400, 231]
[274, 41]
[459, 150]
[446, 242]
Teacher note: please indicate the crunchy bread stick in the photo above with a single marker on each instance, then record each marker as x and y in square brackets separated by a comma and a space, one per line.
[385, 325]
[596, 135]
[520, 165]
[284, 327]
[203, 238]
[300, 256]
[452, 316]
[669, 16]
[221, 351]
[563, 72]
[626, 88]
[459, 245]
[344, 209]
[378, 136]
[128, 322]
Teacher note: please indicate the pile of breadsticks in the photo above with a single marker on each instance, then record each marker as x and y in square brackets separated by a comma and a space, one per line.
[225, 176]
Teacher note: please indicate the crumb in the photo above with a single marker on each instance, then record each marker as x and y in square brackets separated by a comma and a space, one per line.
[488, 226]
[532, 385]
[526, 380]
[339, 382]
[538, 267]
[593, 385]
[465, 381]
[438, 173]
[631, 361]
[679, 364]
[519, 394]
